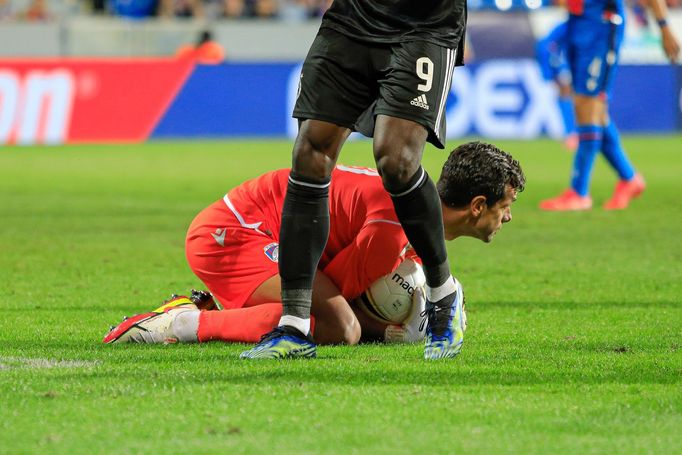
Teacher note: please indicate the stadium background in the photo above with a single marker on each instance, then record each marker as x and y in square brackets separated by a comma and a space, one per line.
[74, 75]
[575, 319]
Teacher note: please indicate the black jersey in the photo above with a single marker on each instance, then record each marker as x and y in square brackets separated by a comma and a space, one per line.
[441, 22]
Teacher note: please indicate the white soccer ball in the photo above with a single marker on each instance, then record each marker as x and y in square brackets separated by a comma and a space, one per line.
[389, 299]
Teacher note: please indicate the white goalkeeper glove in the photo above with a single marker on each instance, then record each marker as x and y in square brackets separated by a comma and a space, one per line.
[414, 327]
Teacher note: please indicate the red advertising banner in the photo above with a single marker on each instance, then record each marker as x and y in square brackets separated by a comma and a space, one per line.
[55, 101]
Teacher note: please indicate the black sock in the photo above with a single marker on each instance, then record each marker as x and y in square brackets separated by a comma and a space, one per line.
[303, 236]
[418, 208]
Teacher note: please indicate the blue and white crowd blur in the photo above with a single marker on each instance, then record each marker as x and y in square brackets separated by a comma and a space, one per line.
[46, 10]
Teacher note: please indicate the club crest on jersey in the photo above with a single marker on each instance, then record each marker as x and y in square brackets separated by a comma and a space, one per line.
[272, 251]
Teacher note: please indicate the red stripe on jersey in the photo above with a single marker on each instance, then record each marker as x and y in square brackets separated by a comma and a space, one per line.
[576, 7]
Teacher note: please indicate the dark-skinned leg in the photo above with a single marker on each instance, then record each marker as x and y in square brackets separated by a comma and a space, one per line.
[398, 148]
[305, 217]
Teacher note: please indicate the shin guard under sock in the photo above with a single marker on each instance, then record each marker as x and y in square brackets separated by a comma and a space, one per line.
[418, 208]
[614, 153]
[590, 137]
[303, 236]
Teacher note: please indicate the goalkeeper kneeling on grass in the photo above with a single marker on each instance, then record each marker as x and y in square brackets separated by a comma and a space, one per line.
[232, 247]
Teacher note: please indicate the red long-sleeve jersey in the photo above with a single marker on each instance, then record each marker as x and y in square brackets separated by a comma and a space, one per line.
[365, 241]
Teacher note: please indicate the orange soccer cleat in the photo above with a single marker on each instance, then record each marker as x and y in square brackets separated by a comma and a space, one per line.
[626, 190]
[566, 201]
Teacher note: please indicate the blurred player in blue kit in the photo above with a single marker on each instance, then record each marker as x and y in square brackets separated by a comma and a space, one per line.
[550, 52]
[594, 35]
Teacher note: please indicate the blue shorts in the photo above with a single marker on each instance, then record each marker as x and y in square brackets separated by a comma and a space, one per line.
[592, 53]
[554, 67]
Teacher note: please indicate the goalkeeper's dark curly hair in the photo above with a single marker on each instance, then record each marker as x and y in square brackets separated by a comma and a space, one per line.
[478, 168]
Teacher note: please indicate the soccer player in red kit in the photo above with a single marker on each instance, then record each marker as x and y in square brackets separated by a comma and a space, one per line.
[232, 246]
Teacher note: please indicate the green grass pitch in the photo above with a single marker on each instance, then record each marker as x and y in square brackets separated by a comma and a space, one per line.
[574, 339]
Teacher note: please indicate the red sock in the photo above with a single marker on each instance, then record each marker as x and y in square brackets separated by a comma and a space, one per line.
[240, 325]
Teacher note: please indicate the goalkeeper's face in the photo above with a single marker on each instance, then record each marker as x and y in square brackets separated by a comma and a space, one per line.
[492, 217]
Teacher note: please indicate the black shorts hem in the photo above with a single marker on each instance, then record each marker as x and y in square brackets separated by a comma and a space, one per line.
[324, 118]
[432, 138]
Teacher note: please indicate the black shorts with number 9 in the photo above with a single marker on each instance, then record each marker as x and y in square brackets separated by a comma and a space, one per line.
[348, 82]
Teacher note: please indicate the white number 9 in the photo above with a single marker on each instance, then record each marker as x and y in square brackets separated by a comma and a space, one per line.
[425, 72]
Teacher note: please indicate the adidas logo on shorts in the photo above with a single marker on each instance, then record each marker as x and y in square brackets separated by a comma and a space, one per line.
[420, 101]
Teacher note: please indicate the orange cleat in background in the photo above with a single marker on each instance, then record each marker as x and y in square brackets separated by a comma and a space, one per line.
[626, 191]
[567, 201]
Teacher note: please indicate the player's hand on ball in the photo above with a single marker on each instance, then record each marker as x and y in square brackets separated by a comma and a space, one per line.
[414, 327]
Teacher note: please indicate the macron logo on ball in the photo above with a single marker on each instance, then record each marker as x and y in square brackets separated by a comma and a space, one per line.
[400, 281]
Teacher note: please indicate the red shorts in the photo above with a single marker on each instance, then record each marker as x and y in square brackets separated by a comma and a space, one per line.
[230, 256]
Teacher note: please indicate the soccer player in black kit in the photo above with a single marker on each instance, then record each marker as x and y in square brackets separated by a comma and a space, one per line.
[383, 68]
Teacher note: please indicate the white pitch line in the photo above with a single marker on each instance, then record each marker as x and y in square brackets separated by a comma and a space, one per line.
[7, 363]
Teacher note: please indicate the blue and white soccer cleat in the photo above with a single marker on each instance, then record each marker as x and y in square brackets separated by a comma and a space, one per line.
[445, 327]
[282, 342]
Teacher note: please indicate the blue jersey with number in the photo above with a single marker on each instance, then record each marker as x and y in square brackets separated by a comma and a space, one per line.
[595, 33]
